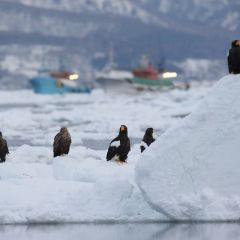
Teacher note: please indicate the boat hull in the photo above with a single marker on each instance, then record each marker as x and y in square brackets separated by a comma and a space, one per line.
[109, 85]
[158, 84]
[48, 85]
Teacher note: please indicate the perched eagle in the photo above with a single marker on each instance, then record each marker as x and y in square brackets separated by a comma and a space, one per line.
[147, 140]
[3, 148]
[119, 146]
[62, 142]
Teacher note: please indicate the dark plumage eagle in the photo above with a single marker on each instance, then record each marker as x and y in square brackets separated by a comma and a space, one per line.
[62, 142]
[147, 140]
[119, 146]
[3, 148]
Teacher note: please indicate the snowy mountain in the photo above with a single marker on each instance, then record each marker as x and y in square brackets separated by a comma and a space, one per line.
[215, 13]
[86, 30]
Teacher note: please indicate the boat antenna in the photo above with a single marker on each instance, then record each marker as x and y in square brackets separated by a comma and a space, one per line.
[161, 64]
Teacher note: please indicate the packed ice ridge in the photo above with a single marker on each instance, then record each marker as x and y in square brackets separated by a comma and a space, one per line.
[191, 171]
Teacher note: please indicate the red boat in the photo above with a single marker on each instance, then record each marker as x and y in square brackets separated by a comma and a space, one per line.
[149, 78]
[146, 73]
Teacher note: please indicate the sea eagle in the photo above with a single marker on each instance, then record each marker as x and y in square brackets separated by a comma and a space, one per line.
[62, 142]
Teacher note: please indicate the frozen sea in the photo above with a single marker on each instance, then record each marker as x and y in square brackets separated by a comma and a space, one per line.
[93, 119]
[82, 186]
[87, 197]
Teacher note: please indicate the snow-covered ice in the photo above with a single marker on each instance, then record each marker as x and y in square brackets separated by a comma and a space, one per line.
[192, 171]
[80, 187]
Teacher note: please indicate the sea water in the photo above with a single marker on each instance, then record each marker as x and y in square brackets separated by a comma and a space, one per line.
[137, 231]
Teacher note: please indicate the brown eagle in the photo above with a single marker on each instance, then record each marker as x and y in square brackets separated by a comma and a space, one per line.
[62, 142]
[3, 148]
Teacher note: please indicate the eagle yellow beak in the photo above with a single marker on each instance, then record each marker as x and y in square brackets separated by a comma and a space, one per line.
[122, 128]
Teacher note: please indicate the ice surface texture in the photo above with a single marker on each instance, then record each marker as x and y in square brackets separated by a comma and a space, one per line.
[80, 187]
[192, 171]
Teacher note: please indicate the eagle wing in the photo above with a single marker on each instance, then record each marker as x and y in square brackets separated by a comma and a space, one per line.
[57, 144]
[124, 149]
[3, 149]
[66, 144]
[61, 144]
[111, 153]
[127, 147]
[112, 149]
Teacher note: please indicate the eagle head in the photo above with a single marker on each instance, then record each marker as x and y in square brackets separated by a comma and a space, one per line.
[123, 129]
[64, 130]
[149, 131]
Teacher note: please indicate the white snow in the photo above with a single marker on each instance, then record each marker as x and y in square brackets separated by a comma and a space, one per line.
[75, 188]
[124, 7]
[231, 21]
[164, 6]
[83, 186]
[192, 171]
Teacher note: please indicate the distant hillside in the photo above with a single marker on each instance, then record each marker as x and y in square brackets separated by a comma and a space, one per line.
[85, 31]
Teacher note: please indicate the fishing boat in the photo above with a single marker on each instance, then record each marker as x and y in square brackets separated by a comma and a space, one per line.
[149, 78]
[57, 82]
[114, 79]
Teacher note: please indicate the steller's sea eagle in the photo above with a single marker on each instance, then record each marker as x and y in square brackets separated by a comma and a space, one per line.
[147, 140]
[120, 146]
[3, 148]
[62, 142]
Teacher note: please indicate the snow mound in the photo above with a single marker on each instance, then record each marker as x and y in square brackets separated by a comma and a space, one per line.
[79, 187]
[192, 171]
[82, 186]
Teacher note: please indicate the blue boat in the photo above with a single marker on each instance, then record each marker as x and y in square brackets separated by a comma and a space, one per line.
[58, 82]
